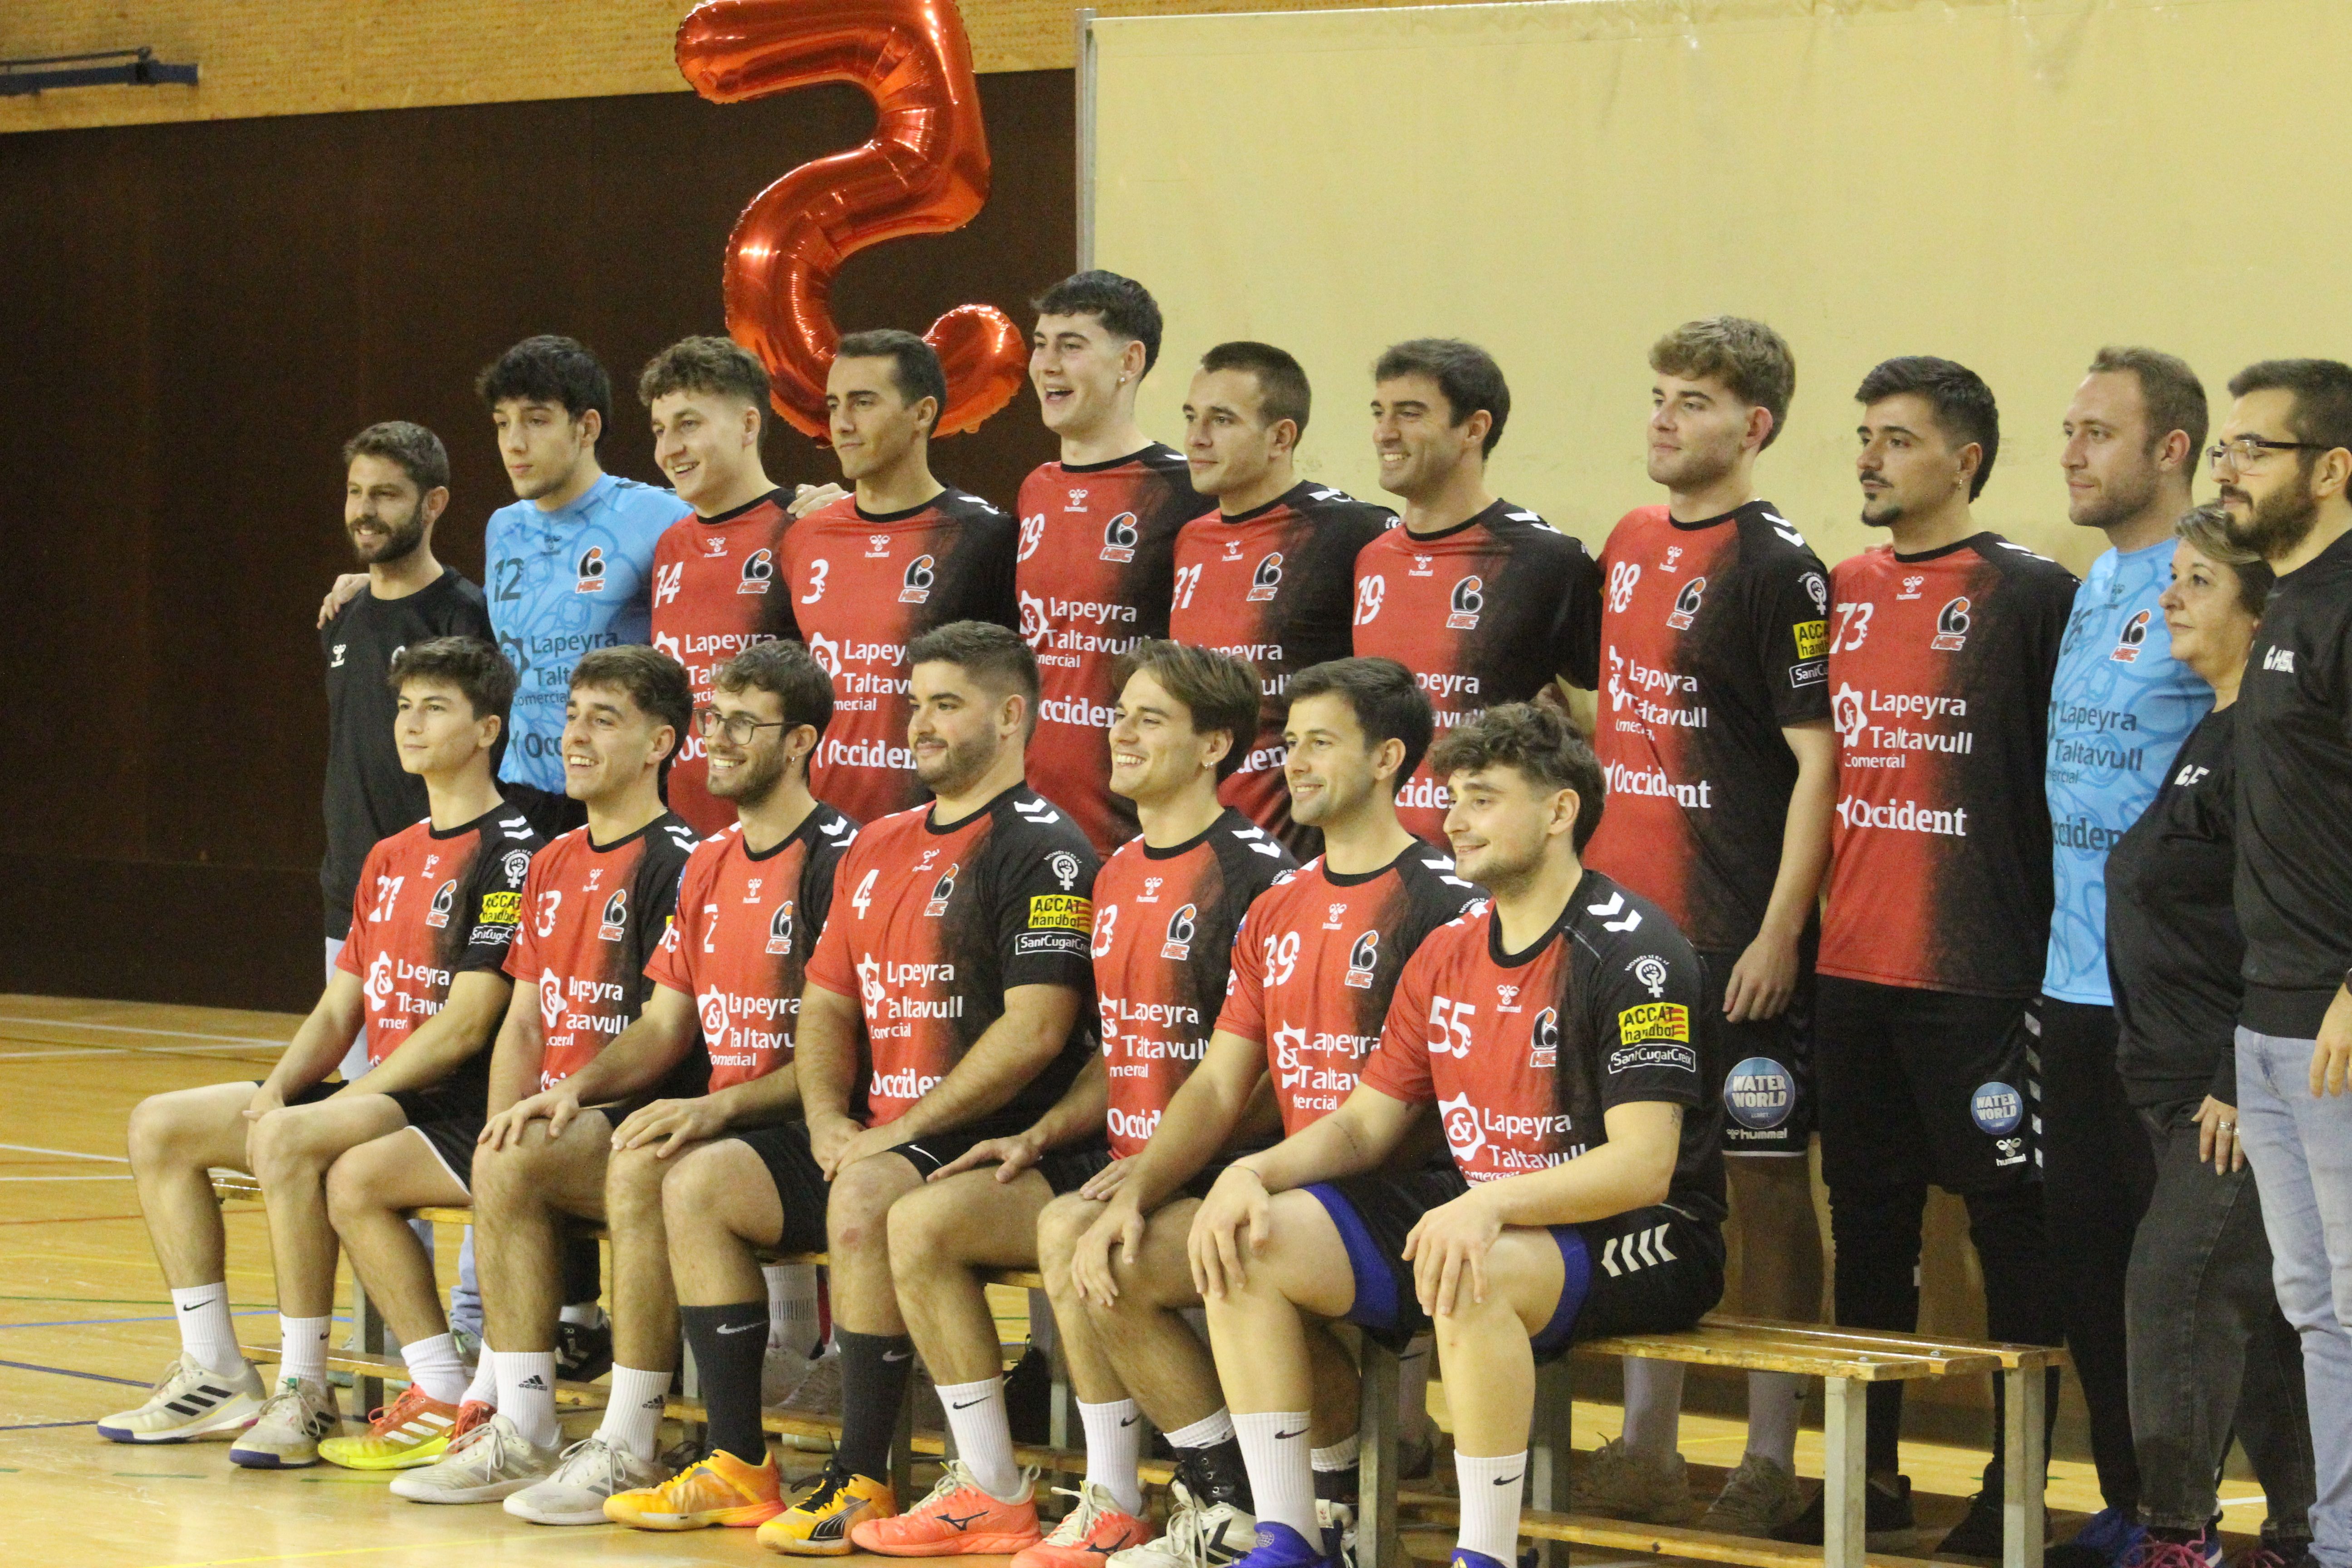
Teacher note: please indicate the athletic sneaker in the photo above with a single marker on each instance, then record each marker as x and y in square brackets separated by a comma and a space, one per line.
[720, 1490]
[1465, 1558]
[2105, 1540]
[414, 1430]
[2205, 1551]
[955, 1520]
[591, 1470]
[1887, 1523]
[1619, 1482]
[1337, 1516]
[1087, 1533]
[1279, 1546]
[1979, 1531]
[819, 1524]
[190, 1401]
[584, 1351]
[782, 1373]
[287, 1429]
[485, 1464]
[819, 1394]
[1199, 1535]
[1758, 1499]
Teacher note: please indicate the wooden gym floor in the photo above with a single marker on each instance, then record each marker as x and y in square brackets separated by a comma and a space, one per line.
[86, 1325]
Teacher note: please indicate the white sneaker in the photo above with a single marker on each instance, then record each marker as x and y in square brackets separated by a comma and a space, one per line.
[289, 1427]
[782, 1374]
[490, 1462]
[190, 1400]
[591, 1470]
[1196, 1537]
[1758, 1499]
[1619, 1482]
[819, 1394]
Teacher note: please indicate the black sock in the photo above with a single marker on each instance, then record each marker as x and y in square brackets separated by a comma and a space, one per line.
[1334, 1486]
[1222, 1476]
[873, 1372]
[730, 1342]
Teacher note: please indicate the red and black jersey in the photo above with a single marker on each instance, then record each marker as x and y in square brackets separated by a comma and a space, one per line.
[716, 593]
[1487, 611]
[431, 906]
[1096, 568]
[1316, 961]
[1714, 638]
[858, 589]
[930, 927]
[1523, 1053]
[747, 921]
[1939, 672]
[593, 915]
[1164, 943]
[1276, 586]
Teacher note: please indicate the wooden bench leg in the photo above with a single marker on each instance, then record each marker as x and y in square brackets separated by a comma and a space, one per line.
[1376, 1460]
[366, 1387]
[2020, 1510]
[1551, 1438]
[1845, 1474]
[1063, 1428]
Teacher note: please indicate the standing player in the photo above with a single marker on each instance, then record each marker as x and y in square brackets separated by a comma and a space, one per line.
[1552, 1031]
[1485, 601]
[944, 1004]
[1714, 739]
[437, 905]
[1268, 578]
[2119, 709]
[1097, 535]
[866, 576]
[1941, 645]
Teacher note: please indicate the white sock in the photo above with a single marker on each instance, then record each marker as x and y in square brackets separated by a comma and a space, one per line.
[1775, 1400]
[1206, 1433]
[586, 1314]
[527, 1394]
[433, 1366]
[206, 1335]
[634, 1413]
[1274, 1450]
[792, 1306]
[303, 1347]
[1339, 1455]
[983, 1435]
[1412, 1389]
[1114, 1448]
[484, 1389]
[1491, 1489]
[1654, 1405]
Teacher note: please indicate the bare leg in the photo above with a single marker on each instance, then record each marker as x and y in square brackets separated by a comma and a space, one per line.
[368, 1189]
[522, 1193]
[1257, 1330]
[175, 1138]
[1092, 1374]
[942, 1235]
[645, 1301]
[864, 1299]
[1483, 1348]
[718, 1203]
[292, 1150]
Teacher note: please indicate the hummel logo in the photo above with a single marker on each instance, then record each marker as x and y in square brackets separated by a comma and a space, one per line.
[1633, 1252]
[1616, 902]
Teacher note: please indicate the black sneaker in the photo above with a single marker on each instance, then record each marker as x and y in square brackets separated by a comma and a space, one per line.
[1978, 1535]
[1029, 1398]
[1886, 1519]
[583, 1353]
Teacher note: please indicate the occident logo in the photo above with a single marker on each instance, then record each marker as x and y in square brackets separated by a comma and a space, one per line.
[2128, 642]
[759, 571]
[1363, 959]
[379, 982]
[780, 930]
[445, 899]
[942, 890]
[1686, 604]
[591, 570]
[1463, 1135]
[1469, 601]
[615, 923]
[1759, 1094]
[915, 588]
[1121, 537]
[1952, 625]
[1997, 1107]
[1265, 579]
[1543, 1042]
[1179, 942]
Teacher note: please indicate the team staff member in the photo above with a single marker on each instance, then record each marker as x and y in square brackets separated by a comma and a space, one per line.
[1553, 1029]
[945, 1005]
[1714, 739]
[2119, 707]
[1097, 535]
[2210, 1353]
[866, 576]
[1484, 601]
[2293, 887]
[1269, 576]
[1938, 908]
[437, 905]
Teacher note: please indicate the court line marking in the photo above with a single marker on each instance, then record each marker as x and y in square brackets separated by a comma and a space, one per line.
[338, 1551]
[125, 1176]
[159, 1318]
[64, 1154]
[137, 1029]
[68, 1372]
[45, 1425]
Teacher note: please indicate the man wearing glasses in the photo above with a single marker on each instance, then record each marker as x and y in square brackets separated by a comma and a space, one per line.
[2295, 874]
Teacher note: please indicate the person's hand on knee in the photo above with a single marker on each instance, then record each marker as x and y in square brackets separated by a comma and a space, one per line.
[1447, 1248]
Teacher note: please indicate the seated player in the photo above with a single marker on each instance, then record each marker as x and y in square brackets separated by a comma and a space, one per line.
[1312, 968]
[945, 1005]
[437, 904]
[1165, 907]
[1551, 1028]
[594, 905]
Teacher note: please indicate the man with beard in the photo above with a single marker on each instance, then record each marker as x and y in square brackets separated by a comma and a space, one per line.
[2294, 875]
[945, 1005]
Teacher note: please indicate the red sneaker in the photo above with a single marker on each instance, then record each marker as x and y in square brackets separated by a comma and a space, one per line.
[1088, 1534]
[958, 1519]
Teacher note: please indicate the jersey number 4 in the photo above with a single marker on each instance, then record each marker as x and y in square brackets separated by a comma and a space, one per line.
[863, 899]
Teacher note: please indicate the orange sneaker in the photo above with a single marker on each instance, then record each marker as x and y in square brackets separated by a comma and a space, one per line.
[957, 1519]
[720, 1490]
[473, 1412]
[1088, 1534]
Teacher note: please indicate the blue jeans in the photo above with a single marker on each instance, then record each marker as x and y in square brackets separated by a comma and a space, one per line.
[2301, 1149]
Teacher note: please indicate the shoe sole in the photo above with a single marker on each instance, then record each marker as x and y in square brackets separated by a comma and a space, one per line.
[967, 1545]
[543, 1516]
[497, 1492]
[723, 1518]
[211, 1426]
[1076, 1556]
[810, 1547]
[414, 1460]
[248, 1459]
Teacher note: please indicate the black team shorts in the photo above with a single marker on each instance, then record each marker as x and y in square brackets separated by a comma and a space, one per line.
[1768, 1098]
[1921, 1086]
[803, 1191]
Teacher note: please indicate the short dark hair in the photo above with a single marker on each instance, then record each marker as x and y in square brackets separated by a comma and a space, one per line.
[474, 667]
[549, 369]
[2323, 399]
[2173, 396]
[705, 365]
[1963, 403]
[914, 366]
[418, 451]
[1282, 389]
[787, 672]
[1539, 743]
[1750, 359]
[996, 655]
[1388, 703]
[656, 682]
[1220, 691]
[1466, 374]
[1124, 307]
[2207, 529]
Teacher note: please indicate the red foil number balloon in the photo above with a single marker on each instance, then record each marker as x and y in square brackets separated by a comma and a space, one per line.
[924, 172]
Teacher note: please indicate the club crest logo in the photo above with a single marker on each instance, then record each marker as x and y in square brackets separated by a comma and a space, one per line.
[615, 923]
[759, 571]
[1468, 602]
[1362, 959]
[1952, 625]
[1180, 927]
[915, 588]
[1686, 604]
[445, 899]
[2131, 639]
[942, 890]
[1265, 579]
[1543, 1041]
[1120, 536]
[591, 570]
[780, 930]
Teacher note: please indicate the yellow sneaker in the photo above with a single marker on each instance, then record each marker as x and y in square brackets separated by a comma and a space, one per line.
[720, 1490]
[414, 1430]
[819, 1524]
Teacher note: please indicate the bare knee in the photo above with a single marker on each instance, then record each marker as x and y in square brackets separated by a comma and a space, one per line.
[506, 1180]
[165, 1132]
[284, 1146]
[349, 1192]
[924, 1227]
[1060, 1227]
[697, 1193]
[633, 1180]
[857, 1213]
